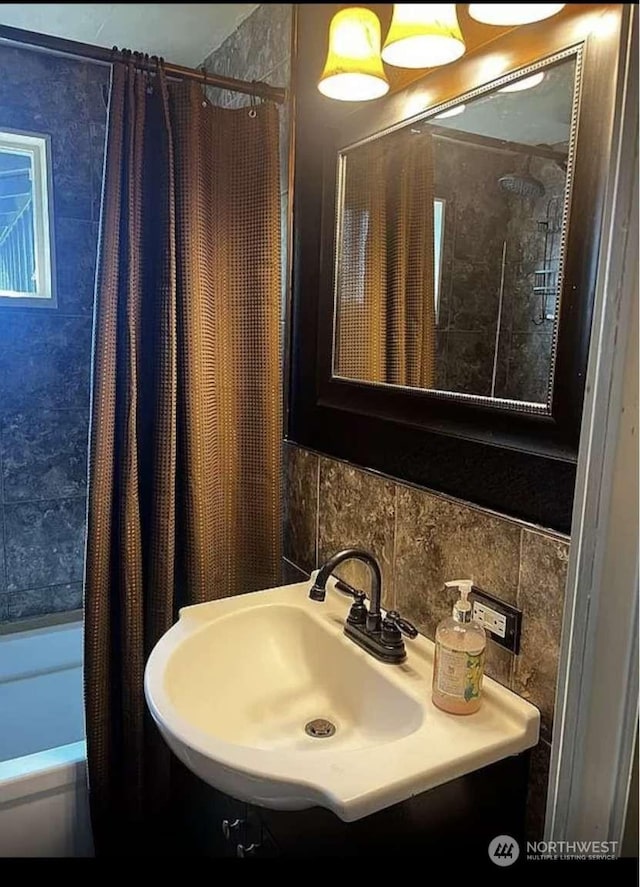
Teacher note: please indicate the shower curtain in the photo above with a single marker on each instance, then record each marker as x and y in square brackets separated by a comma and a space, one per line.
[185, 444]
[387, 319]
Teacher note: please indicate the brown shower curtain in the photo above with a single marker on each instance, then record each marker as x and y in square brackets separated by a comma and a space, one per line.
[387, 319]
[184, 494]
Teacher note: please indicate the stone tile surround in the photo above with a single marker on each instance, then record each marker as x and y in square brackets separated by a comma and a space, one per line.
[422, 540]
[45, 354]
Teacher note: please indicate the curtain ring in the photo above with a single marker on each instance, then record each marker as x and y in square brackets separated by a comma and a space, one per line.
[205, 100]
[253, 102]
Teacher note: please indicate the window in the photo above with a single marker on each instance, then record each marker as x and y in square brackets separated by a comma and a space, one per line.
[355, 238]
[26, 276]
[438, 237]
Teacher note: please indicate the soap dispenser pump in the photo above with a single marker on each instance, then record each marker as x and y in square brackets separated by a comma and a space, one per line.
[459, 656]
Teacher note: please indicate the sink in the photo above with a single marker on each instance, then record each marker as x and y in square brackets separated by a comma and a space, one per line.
[263, 697]
[286, 671]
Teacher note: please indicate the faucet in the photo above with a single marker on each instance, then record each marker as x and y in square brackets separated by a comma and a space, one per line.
[380, 637]
[319, 588]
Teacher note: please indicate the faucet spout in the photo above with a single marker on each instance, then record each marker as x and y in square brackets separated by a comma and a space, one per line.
[319, 588]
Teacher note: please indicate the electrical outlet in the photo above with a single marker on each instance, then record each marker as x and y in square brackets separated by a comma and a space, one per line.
[501, 621]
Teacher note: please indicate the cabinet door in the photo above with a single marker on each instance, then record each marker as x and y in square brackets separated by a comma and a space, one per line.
[207, 822]
[232, 824]
[478, 806]
[257, 843]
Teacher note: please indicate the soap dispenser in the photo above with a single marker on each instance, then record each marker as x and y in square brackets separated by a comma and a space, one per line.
[459, 657]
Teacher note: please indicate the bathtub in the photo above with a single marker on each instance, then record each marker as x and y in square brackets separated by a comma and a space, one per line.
[43, 790]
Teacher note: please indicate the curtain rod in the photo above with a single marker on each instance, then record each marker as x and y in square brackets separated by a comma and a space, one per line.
[59, 45]
[472, 138]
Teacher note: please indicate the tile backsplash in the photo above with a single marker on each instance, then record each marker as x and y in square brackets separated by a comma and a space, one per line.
[422, 539]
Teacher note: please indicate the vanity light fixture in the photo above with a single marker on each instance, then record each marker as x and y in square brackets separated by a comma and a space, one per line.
[451, 112]
[423, 35]
[506, 14]
[353, 71]
[525, 83]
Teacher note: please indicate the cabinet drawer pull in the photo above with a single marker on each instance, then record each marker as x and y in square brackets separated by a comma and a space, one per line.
[243, 852]
[230, 828]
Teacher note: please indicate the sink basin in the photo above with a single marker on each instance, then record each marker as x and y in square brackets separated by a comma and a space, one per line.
[286, 670]
[264, 698]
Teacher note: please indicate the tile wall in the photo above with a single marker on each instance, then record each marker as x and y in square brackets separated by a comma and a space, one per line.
[45, 354]
[479, 219]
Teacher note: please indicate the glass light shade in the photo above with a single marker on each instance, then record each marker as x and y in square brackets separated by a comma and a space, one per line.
[353, 71]
[423, 35]
[513, 13]
[450, 112]
[525, 83]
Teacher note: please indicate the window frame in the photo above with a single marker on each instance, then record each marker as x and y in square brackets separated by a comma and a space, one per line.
[38, 146]
[439, 209]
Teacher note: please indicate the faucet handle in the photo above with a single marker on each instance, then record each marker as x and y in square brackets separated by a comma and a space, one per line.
[358, 612]
[345, 588]
[394, 622]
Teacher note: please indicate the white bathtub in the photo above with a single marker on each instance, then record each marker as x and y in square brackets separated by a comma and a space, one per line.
[43, 791]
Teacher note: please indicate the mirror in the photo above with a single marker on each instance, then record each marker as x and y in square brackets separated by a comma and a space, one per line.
[450, 238]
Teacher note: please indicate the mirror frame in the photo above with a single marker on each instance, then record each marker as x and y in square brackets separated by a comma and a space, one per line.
[357, 132]
[519, 463]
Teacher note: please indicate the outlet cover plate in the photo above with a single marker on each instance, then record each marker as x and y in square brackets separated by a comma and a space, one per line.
[502, 622]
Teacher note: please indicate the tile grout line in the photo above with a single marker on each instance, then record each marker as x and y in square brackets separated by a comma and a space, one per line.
[520, 568]
[17, 502]
[514, 658]
[17, 620]
[8, 592]
[280, 64]
[16, 415]
[317, 540]
[394, 590]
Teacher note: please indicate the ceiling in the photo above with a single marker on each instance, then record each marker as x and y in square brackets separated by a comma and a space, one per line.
[182, 33]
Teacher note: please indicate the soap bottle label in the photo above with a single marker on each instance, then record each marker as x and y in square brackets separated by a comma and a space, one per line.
[459, 674]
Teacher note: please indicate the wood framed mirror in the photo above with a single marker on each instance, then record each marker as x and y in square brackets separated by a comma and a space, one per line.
[445, 257]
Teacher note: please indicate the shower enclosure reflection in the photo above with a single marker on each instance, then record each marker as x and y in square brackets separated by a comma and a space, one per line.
[450, 240]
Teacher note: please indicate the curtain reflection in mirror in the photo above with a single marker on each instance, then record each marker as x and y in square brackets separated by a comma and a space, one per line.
[385, 331]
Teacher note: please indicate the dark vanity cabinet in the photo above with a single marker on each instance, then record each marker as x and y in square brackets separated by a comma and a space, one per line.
[461, 816]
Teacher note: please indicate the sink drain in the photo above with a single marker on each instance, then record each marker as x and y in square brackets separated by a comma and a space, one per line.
[320, 728]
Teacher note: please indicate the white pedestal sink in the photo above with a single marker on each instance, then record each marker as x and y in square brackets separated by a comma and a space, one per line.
[234, 683]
